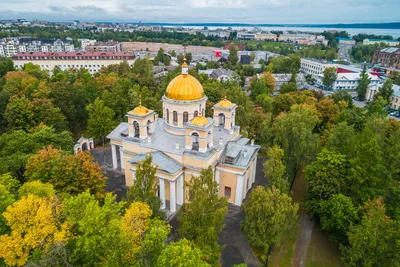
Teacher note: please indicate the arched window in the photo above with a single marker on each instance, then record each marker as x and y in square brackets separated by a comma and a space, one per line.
[196, 113]
[185, 116]
[195, 141]
[175, 117]
[167, 115]
[202, 112]
[136, 129]
[221, 119]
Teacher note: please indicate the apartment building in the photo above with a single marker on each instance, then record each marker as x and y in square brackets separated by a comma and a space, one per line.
[387, 57]
[92, 61]
[314, 67]
[110, 46]
[380, 41]
[348, 81]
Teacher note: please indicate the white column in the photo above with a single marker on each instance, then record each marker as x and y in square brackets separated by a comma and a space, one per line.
[114, 156]
[121, 154]
[179, 190]
[217, 174]
[254, 170]
[172, 201]
[162, 193]
[133, 176]
[239, 190]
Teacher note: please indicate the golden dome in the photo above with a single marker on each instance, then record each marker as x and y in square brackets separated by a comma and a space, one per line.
[140, 110]
[184, 87]
[199, 121]
[225, 103]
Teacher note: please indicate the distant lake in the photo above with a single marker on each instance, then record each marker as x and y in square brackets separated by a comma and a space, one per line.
[353, 31]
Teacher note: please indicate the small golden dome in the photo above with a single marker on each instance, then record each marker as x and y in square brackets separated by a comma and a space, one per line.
[184, 87]
[199, 120]
[225, 103]
[140, 110]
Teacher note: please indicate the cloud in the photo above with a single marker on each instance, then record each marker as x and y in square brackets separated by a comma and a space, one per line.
[245, 11]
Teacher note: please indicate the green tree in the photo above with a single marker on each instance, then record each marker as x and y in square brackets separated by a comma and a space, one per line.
[294, 133]
[9, 182]
[143, 68]
[233, 55]
[270, 215]
[6, 199]
[202, 219]
[154, 242]
[70, 174]
[96, 229]
[101, 120]
[17, 146]
[330, 76]
[377, 106]
[363, 84]
[167, 60]
[6, 65]
[288, 87]
[144, 187]
[181, 253]
[337, 214]
[275, 170]
[373, 242]
[326, 176]
[19, 114]
[36, 188]
[385, 91]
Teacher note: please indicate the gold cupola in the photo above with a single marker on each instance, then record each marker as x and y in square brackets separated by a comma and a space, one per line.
[184, 87]
[199, 121]
[225, 103]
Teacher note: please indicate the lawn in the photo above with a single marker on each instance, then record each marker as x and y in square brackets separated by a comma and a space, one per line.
[321, 251]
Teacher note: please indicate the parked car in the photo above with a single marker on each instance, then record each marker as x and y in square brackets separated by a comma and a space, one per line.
[394, 113]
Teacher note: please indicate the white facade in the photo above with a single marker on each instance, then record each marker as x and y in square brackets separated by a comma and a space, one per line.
[92, 63]
[349, 81]
[314, 67]
[377, 41]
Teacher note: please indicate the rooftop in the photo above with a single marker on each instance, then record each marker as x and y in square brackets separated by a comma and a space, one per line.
[71, 54]
[164, 141]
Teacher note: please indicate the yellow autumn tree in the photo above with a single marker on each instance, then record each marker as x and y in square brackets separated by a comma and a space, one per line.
[133, 224]
[34, 224]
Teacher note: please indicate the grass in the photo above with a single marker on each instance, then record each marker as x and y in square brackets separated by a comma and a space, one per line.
[282, 256]
[322, 251]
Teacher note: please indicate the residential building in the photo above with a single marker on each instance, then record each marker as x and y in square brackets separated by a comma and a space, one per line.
[184, 142]
[281, 79]
[314, 67]
[224, 75]
[86, 42]
[92, 61]
[110, 46]
[266, 36]
[387, 57]
[246, 36]
[348, 81]
[394, 99]
[381, 41]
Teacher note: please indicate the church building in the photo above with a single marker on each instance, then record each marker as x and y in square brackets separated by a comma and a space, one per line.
[184, 142]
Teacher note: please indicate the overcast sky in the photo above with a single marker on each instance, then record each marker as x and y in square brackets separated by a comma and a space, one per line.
[239, 11]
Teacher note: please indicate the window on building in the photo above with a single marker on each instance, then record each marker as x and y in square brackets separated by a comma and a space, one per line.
[196, 113]
[185, 116]
[167, 111]
[175, 117]
[227, 192]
